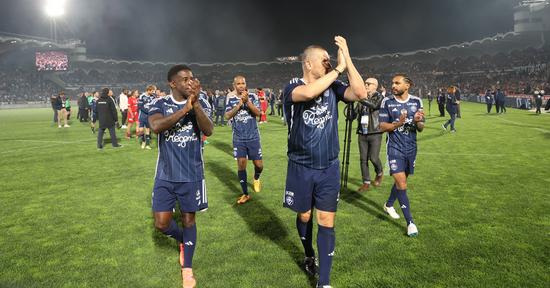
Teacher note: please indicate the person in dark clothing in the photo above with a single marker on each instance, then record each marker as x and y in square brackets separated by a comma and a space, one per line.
[430, 99]
[279, 103]
[547, 107]
[369, 134]
[107, 116]
[219, 105]
[441, 103]
[83, 107]
[489, 100]
[451, 107]
[501, 99]
[53, 100]
[538, 101]
[457, 95]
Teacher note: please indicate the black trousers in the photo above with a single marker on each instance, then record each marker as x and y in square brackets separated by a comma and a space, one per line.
[441, 110]
[489, 106]
[219, 115]
[280, 110]
[369, 150]
[124, 116]
[100, 136]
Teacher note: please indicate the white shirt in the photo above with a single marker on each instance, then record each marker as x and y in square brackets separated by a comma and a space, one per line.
[123, 101]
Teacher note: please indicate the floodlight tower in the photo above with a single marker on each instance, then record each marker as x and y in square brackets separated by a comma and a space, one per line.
[54, 9]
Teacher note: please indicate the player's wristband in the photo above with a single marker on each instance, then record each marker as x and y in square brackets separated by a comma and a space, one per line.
[337, 71]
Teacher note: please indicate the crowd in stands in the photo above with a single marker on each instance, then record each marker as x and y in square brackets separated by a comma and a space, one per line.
[22, 86]
[518, 72]
[52, 61]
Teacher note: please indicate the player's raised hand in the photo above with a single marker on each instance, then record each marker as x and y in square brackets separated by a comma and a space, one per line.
[244, 96]
[342, 44]
[341, 66]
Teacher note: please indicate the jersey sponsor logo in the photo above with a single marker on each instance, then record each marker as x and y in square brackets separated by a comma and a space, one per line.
[317, 116]
[242, 116]
[174, 135]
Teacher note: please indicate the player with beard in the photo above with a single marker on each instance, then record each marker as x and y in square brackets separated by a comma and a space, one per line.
[402, 116]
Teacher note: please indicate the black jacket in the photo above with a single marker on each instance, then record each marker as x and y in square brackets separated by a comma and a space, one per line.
[106, 112]
[370, 107]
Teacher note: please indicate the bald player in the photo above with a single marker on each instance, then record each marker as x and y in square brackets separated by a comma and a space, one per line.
[243, 107]
[313, 173]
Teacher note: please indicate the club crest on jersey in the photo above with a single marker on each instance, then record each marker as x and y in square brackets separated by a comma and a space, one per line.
[414, 109]
[289, 198]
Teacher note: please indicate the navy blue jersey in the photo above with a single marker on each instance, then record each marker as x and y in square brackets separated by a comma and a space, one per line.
[313, 126]
[401, 141]
[144, 101]
[244, 124]
[180, 153]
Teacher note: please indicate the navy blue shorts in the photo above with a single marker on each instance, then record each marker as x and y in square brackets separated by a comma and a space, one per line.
[190, 195]
[401, 163]
[247, 149]
[143, 122]
[307, 188]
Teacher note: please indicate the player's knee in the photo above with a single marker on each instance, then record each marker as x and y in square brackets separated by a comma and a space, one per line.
[241, 162]
[401, 185]
[325, 219]
[188, 219]
[162, 225]
[305, 217]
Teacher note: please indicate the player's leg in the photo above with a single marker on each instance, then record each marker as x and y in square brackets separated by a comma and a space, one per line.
[241, 172]
[326, 194]
[254, 150]
[397, 165]
[240, 153]
[164, 201]
[191, 197]
[401, 185]
[147, 136]
[298, 197]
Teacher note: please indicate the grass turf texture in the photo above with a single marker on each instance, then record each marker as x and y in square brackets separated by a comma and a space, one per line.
[73, 216]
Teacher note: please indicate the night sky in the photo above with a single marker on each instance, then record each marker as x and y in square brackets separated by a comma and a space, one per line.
[248, 30]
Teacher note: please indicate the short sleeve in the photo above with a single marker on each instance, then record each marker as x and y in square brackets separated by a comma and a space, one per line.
[229, 104]
[287, 92]
[339, 89]
[384, 114]
[206, 107]
[155, 107]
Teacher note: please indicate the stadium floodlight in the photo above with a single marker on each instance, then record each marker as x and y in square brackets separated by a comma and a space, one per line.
[55, 8]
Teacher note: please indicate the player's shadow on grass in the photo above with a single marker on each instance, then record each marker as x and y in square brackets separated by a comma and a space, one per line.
[222, 146]
[260, 219]
[360, 201]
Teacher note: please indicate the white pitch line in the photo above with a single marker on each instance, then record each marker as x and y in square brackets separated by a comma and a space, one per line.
[523, 124]
[54, 143]
[45, 141]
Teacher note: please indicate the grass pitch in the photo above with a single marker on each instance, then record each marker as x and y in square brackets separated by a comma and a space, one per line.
[73, 216]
